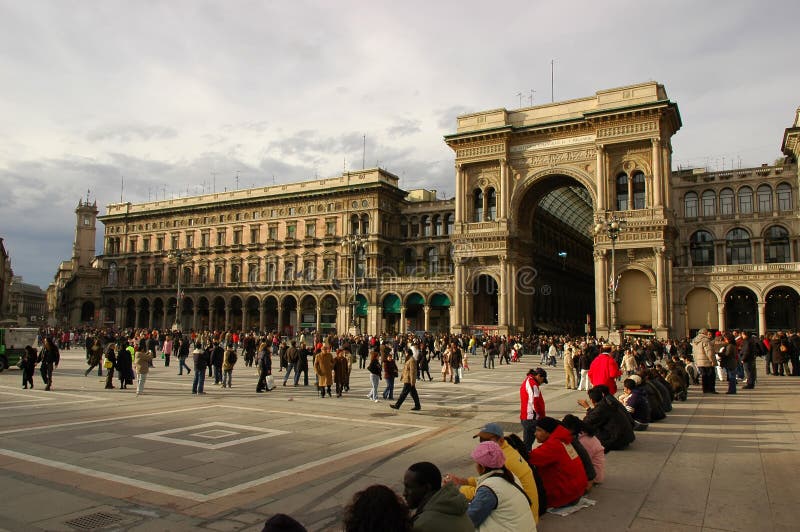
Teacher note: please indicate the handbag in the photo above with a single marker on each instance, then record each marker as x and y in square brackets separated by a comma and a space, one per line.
[108, 364]
[270, 382]
[721, 373]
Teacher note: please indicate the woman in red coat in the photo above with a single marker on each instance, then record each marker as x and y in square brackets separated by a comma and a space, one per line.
[604, 370]
[558, 463]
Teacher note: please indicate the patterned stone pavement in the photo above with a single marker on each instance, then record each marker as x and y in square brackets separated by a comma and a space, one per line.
[84, 458]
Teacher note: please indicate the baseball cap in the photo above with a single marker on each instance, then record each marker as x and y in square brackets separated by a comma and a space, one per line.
[490, 428]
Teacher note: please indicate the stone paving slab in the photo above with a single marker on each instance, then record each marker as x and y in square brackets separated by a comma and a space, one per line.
[716, 463]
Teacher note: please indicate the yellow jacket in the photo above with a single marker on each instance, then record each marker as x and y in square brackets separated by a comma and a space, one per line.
[517, 465]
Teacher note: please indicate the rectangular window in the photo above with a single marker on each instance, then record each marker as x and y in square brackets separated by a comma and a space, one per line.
[160, 243]
[221, 238]
[131, 275]
[291, 211]
[237, 237]
[204, 239]
[254, 231]
[144, 276]
[273, 232]
[726, 204]
[218, 274]
[174, 243]
[291, 230]
[146, 244]
[132, 247]
[159, 276]
[330, 227]
[311, 229]
[189, 240]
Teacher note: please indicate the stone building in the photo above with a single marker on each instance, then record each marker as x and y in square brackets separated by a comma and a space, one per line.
[282, 258]
[27, 303]
[567, 216]
[6, 274]
[73, 298]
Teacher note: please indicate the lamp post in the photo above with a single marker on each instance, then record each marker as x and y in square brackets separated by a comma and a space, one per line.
[354, 241]
[178, 257]
[612, 226]
[563, 255]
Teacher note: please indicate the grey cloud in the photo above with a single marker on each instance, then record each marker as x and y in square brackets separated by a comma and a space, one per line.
[131, 132]
[447, 117]
[405, 128]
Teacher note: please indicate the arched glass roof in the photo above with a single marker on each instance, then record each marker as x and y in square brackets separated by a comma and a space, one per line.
[572, 205]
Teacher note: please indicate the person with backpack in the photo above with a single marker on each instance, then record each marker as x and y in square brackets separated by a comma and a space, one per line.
[515, 463]
[228, 361]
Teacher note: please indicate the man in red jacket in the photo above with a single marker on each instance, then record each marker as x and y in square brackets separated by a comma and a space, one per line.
[531, 404]
[558, 463]
[604, 369]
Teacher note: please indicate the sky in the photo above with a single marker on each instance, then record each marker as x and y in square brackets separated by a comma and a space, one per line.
[184, 97]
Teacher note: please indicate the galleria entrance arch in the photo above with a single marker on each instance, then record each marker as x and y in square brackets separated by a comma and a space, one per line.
[519, 176]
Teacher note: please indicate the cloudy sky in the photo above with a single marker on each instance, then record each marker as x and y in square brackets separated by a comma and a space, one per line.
[182, 96]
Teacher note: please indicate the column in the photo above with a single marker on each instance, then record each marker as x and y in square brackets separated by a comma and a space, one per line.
[319, 318]
[164, 321]
[458, 300]
[136, 323]
[262, 317]
[280, 319]
[721, 316]
[600, 295]
[658, 181]
[665, 173]
[660, 287]
[601, 178]
[194, 317]
[502, 297]
[427, 310]
[459, 214]
[149, 317]
[227, 317]
[402, 319]
[299, 317]
[512, 296]
[762, 317]
[504, 193]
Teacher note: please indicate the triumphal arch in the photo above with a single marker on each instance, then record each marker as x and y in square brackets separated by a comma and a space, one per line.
[536, 189]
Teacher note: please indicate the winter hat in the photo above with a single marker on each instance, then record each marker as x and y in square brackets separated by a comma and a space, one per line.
[547, 424]
[489, 455]
[635, 378]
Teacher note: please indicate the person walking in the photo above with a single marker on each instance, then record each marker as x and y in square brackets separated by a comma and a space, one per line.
[747, 351]
[323, 367]
[532, 405]
[217, 356]
[456, 361]
[447, 371]
[94, 358]
[110, 364]
[569, 368]
[28, 366]
[264, 367]
[124, 364]
[228, 361]
[50, 356]
[167, 350]
[375, 370]
[340, 371]
[143, 359]
[202, 359]
[292, 359]
[729, 360]
[409, 378]
[183, 354]
[390, 373]
[604, 369]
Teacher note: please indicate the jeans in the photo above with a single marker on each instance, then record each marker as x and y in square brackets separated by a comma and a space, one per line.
[388, 393]
[750, 374]
[528, 433]
[217, 374]
[731, 380]
[141, 378]
[227, 375]
[374, 380]
[289, 369]
[408, 388]
[181, 365]
[199, 380]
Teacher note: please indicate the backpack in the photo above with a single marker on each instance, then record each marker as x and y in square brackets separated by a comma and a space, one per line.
[518, 445]
[232, 357]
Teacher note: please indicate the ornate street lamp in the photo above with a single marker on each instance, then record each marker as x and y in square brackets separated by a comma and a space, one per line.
[178, 257]
[612, 226]
[354, 241]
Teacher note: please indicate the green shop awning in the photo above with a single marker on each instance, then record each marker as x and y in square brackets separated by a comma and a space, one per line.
[440, 300]
[415, 299]
[391, 304]
[361, 306]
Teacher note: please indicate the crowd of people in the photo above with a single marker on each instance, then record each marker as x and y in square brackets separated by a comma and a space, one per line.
[553, 464]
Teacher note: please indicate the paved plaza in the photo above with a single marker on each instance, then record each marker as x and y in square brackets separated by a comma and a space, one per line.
[84, 458]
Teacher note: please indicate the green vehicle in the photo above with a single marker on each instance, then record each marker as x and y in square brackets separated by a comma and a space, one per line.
[12, 344]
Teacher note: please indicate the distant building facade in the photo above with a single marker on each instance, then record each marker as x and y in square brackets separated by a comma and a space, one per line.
[27, 303]
[6, 274]
[523, 245]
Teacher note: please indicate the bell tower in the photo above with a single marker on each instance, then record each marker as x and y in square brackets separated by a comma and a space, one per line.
[83, 249]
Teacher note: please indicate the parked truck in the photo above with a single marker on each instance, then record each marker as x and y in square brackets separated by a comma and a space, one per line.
[12, 344]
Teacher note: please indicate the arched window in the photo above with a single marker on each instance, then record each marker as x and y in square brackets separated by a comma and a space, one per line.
[437, 225]
[477, 205]
[187, 275]
[737, 247]
[764, 193]
[690, 205]
[426, 226]
[433, 261]
[639, 197]
[709, 200]
[492, 204]
[361, 264]
[414, 227]
[409, 261]
[364, 224]
[622, 192]
[701, 246]
[354, 224]
[449, 222]
[746, 200]
[726, 201]
[784, 191]
[112, 274]
[776, 245]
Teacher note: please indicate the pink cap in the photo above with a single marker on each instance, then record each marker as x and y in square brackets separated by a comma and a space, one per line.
[489, 455]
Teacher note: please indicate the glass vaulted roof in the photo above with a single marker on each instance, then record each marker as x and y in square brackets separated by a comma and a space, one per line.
[573, 206]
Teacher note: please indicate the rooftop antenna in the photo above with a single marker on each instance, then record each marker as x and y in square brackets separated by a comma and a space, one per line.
[87, 196]
[519, 94]
[148, 193]
[273, 179]
[552, 81]
[165, 192]
[121, 187]
[214, 179]
[533, 92]
[344, 165]
[237, 179]
[364, 154]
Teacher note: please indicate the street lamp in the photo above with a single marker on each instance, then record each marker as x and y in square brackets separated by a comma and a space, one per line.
[612, 226]
[563, 255]
[178, 257]
[354, 241]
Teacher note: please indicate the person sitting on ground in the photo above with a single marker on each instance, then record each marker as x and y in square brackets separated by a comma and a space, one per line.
[514, 462]
[282, 523]
[608, 418]
[438, 507]
[634, 399]
[376, 508]
[586, 437]
[558, 463]
[499, 502]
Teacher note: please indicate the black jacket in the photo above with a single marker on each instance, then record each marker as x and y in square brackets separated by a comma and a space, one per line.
[612, 423]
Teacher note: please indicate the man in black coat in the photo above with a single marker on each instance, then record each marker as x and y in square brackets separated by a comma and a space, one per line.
[217, 357]
[264, 369]
[612, 424]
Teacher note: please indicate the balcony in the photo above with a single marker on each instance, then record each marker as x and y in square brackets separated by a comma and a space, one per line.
[730, 269]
